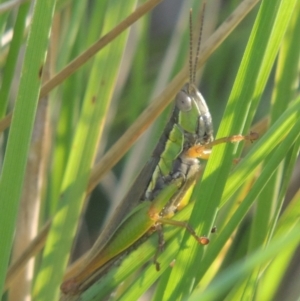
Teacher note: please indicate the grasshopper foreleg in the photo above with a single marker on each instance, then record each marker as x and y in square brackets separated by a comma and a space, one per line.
[204, 151]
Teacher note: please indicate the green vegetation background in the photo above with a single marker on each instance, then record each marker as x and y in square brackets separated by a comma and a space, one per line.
[250, 80]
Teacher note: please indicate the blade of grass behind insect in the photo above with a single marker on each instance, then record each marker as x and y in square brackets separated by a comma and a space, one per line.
[250, 82]
[20, 132]
[96, 101]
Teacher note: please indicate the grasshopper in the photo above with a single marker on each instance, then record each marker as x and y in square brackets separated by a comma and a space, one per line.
[163, 187]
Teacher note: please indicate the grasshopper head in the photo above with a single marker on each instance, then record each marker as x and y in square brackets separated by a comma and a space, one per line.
[194, 116]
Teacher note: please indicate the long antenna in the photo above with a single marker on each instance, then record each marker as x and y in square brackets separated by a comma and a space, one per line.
[198, 45]
[191, 71]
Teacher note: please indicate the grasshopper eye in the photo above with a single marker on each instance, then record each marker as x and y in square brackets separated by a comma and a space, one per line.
[183, 101]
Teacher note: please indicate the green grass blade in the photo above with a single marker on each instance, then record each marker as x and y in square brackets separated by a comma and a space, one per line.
[22, 123]
[69, 107]
[14, 49]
